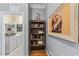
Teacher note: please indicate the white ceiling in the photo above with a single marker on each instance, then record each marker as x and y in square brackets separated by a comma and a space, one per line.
[38, 5]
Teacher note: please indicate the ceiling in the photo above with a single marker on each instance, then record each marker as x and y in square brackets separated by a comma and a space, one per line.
[38, 5]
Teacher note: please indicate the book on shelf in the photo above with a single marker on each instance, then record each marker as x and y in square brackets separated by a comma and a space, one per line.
[40, 31]
[40, 42]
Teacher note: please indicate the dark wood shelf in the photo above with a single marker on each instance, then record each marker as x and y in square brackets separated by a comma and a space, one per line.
[38, 27]
[38, 45]
[37, 35]
[39, 21]
[37, 39]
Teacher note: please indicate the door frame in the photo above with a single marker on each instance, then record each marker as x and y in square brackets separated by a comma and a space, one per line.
[3, 29]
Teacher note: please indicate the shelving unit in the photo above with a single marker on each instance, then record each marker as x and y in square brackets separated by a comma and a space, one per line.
[37, 35]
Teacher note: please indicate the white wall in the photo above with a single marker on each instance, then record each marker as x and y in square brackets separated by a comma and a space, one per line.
[0, 38]
[57, 46]
[3, 7]
[51, 7]
[24, 8]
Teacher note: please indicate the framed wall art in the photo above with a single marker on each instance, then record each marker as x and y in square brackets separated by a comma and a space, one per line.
[63, 22]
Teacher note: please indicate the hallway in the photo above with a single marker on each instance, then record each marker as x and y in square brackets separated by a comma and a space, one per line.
[39, 29]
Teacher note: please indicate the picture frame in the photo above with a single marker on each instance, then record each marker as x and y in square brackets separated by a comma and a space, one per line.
[69, 24]
[19, 27]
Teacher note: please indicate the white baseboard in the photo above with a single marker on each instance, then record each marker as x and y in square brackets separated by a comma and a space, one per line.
[47, 52]
[26, 54]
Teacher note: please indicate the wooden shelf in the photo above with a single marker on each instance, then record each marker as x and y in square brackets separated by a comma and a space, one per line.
[37, 39]
[39, 21]
[37, 27]
[37, 35]
[38, 45]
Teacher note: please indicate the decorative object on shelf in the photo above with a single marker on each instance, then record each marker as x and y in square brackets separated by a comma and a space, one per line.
[40, 42]
[8, 27]
[38, 16]
[36, 25]
[40, 31]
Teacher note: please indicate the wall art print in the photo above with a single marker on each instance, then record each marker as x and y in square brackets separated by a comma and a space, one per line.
[63, 22]
[57, 24]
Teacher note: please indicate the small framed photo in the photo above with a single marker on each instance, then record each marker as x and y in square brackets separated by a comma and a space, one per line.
[19, 27]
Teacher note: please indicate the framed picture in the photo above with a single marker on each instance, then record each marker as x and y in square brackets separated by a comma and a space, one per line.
[57, 24]
[63, 23]
[19, 27]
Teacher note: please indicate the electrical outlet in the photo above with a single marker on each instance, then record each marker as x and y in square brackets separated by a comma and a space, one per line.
[51, 53]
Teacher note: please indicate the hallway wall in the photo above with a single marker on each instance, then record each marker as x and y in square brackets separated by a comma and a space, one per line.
[57, 46]
[19, 7]
[3, 7]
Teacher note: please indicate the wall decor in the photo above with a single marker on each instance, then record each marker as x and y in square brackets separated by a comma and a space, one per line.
[63, 23]
[19, 27]
[57, 24]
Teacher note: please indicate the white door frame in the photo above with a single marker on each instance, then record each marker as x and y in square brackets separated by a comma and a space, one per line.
[3, 29]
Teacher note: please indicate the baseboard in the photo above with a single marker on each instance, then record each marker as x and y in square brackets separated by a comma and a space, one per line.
[27, 55]
[47, 52]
